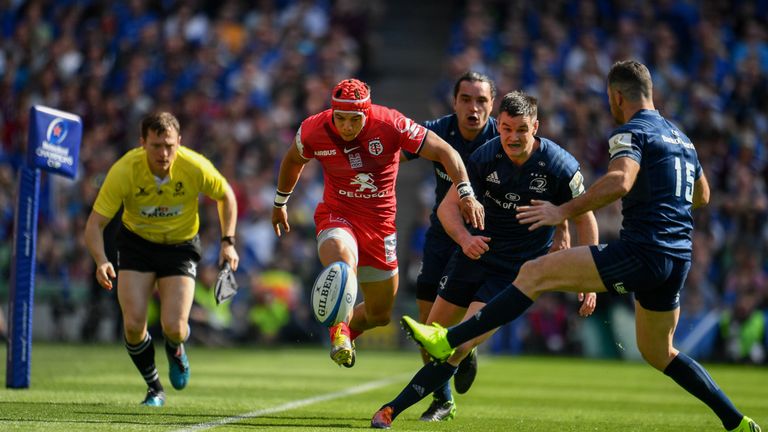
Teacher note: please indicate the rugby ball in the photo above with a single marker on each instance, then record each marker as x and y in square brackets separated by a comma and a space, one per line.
[334, 293]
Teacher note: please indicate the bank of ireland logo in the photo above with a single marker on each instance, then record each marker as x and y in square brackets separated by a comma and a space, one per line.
[57, 131]
[375, 147]
[512, 197]
[364, 181]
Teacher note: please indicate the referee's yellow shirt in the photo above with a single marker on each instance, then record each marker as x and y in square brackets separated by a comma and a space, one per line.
[161, 212]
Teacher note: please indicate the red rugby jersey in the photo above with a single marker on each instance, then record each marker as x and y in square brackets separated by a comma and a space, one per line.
[360, 174]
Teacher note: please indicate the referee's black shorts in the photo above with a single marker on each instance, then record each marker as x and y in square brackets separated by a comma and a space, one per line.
[138, 254]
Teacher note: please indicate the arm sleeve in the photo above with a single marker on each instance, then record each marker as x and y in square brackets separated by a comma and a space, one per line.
[112, 191]
[303, 146]
[430, 125]
[411, 134]
[624, 144]
[571, 181]
[213, 182]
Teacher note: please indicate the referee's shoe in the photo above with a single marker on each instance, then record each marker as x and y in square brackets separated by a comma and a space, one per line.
[178, 366]
[154, 398]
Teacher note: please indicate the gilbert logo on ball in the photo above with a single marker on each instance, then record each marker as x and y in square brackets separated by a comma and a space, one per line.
[334, 293]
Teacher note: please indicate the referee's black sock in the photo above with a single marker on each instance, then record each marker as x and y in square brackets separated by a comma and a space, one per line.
[175, 349]
[691, 376]
[143, 356]
[507, 306]
[426, 380]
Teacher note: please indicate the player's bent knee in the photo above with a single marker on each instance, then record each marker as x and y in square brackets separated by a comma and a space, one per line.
[133, 335]
[529, 279]
[658, 358]
[337, 243]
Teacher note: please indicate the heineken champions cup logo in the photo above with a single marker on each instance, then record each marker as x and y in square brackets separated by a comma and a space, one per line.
[51, 148]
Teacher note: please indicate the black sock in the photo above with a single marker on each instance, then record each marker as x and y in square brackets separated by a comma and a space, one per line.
[426, 380]
[143, 356]
[172, 348]
[505, 307]
[443, 393]
[691, 376]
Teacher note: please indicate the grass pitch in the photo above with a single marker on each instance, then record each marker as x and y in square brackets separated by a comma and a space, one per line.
[96, 388]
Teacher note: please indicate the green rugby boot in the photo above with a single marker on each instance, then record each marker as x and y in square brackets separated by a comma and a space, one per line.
[747, 425]
[433, 338]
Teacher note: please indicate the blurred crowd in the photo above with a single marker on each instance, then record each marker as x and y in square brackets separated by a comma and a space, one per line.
[241, 75]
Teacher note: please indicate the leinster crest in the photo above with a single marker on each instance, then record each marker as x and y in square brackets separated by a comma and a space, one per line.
[375, 147]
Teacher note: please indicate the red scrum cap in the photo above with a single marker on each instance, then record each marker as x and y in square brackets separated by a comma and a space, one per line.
[351, 96]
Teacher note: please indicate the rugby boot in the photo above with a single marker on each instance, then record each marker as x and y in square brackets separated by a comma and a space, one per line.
[439, 410]
[433, 338]
[154, 398]
[382, 419]
[178, 367]
[747, 425]
[342, 349]
[466, 373]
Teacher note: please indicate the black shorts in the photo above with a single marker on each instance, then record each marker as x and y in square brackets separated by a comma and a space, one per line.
[438, 249]
[467, 281]
[141, 255]
[655, 278]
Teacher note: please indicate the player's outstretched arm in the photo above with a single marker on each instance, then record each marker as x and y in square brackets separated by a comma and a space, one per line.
[94, 241]
[290, 171]
[616, 183]
[436, 149]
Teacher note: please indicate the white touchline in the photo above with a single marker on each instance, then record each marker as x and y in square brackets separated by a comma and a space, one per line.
[296, 404]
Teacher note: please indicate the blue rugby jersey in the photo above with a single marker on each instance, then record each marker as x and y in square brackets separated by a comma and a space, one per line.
[550, 174]
[447, 128]
[657, 210]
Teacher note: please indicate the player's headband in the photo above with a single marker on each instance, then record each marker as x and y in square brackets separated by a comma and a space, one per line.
[351, 96]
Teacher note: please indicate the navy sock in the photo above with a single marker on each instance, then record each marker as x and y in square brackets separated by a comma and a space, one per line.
[443, 393]
[691, 376]
[426, 380]
[505, 307]
[143, 356]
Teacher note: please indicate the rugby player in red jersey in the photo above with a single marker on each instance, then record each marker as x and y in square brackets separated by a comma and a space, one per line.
[358, 145]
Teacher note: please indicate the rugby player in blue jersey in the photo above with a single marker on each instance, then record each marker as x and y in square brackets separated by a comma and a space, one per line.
[469, 127]
[655, 170]
[506, 172]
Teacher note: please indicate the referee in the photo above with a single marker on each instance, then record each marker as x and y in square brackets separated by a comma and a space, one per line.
[158, 244]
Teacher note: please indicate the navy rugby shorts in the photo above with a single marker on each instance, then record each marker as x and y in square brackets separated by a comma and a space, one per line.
[438, 249]
[655, 278]
[467, 281]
